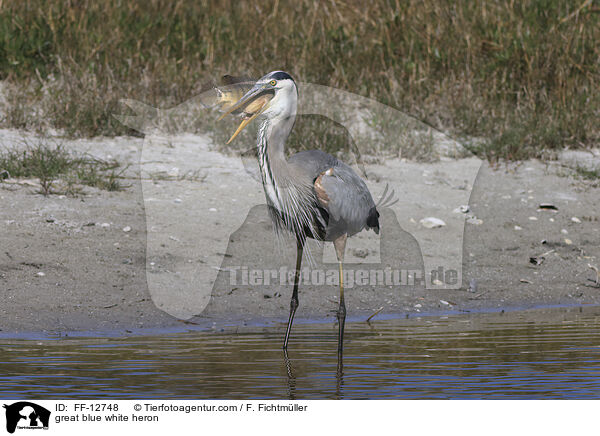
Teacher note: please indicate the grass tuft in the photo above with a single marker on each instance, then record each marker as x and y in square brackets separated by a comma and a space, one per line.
[50, 163]
[587, 173]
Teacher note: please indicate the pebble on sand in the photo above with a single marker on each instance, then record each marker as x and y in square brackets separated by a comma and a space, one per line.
[462, 209]
[474, 220]
[432, 222]
[575, 220]
[40, 274]
[127, 229]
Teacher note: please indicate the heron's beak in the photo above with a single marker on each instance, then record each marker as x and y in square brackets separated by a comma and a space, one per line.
[254, 102]
[244, 123]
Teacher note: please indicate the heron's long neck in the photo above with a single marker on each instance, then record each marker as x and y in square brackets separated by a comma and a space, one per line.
[271, 157]
[272, 136]
[285, 185]
[273, 133]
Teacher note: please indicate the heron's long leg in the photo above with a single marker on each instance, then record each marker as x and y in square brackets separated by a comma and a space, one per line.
[341, 314]
[340, 248]
[294, 302]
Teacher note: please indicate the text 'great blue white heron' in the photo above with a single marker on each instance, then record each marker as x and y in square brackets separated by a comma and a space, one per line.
[312, 194]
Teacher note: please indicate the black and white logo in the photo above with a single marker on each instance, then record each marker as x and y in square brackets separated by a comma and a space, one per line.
[26, 415]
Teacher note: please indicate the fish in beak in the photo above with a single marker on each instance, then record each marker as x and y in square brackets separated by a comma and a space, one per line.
[252, 104]
[226, 93]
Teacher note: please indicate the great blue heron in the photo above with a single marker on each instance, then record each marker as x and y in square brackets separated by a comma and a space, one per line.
[312, 194]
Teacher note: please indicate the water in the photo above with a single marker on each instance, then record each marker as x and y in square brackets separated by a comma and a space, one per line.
[452, 357]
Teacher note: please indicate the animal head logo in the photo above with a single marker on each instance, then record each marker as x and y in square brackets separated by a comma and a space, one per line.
[25, 414]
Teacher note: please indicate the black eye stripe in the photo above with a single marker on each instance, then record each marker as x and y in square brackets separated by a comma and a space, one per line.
[281, 75]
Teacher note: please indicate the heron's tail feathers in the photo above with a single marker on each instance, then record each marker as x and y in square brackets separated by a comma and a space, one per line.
[373, 220]
[387, 200]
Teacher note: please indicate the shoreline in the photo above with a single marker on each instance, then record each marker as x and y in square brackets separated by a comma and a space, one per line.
[538, 314]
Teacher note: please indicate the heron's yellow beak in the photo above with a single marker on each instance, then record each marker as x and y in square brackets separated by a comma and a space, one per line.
[254, 102]
[246, 121]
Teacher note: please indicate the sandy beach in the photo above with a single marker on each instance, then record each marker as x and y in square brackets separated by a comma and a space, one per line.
[173, 247]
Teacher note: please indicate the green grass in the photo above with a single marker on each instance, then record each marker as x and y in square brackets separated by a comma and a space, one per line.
[51, 162]
[523, 75]
[592, 174]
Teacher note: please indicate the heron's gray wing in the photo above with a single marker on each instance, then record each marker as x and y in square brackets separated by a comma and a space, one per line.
[346, 198]
[339, 190]
[312, 162]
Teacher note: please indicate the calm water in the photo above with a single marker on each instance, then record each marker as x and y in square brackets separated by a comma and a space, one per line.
[441, 358]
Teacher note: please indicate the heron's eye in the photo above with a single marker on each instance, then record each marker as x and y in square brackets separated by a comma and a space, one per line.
[273, 82]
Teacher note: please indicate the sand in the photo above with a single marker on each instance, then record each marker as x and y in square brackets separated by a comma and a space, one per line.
[189, 241]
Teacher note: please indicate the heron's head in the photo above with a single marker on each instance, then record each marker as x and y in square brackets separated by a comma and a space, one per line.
[274, 95]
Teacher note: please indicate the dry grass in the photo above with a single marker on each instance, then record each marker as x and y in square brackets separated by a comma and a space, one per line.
[523, 75]
[48, 162]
